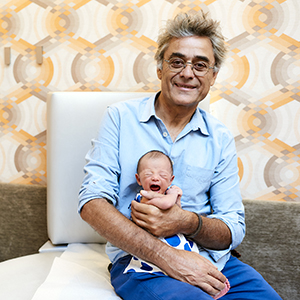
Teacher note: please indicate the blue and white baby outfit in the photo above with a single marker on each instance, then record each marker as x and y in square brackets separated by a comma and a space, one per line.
[178, 241]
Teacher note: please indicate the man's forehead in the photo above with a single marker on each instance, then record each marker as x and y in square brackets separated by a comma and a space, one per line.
[192, 47]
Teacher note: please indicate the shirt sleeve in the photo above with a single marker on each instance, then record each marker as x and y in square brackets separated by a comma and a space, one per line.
[225, 197]
[102, 169]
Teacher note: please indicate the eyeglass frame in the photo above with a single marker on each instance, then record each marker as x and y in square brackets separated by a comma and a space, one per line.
[185, 64]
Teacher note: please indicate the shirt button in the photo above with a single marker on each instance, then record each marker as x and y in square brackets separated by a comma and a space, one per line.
[165, 134]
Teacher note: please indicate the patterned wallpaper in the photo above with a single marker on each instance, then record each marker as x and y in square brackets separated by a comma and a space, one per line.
[103, 45]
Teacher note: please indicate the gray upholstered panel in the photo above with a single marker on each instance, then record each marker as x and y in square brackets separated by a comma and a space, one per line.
[272, 244]
[23, 226]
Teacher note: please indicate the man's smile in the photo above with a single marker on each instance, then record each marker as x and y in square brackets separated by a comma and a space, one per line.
[185, 86]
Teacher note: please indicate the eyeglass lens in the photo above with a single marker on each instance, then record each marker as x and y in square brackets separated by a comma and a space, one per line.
[200, 68]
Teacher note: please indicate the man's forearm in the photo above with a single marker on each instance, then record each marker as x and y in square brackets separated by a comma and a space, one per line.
[182, 265]
[123, 233]
[214, 233]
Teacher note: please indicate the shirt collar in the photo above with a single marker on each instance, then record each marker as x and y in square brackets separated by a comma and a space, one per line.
[197, 122]
[147, 111]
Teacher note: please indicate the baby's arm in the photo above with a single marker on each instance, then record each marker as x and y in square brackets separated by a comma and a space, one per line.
[172, 196]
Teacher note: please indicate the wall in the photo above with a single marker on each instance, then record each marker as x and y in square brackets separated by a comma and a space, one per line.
[109, 46]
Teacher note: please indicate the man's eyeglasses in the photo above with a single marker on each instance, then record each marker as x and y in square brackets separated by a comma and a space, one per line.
[200, 68]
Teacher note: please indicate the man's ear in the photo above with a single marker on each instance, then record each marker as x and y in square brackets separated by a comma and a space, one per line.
[213, 79]
[158, 72]
[137, 177]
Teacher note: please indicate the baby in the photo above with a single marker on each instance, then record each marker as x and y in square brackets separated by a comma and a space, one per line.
[155, 173]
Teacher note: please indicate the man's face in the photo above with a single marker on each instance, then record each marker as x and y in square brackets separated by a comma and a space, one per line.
[184, 88]
[155, 174]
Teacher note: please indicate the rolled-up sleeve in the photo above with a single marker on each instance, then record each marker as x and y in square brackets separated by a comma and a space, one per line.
[102, 168]
[225, 197]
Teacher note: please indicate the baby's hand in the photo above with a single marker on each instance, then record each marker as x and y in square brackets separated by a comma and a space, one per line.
[161, 201]
[175, 190]
[150, 196]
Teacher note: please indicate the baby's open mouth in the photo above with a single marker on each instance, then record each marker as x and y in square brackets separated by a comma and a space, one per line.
[155, 188]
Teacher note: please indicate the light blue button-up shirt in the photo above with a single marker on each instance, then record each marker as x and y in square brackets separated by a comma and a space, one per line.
[204, 158]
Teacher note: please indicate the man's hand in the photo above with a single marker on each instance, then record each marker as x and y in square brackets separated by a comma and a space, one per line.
[157, 221]
[214, 233]
[196, 270]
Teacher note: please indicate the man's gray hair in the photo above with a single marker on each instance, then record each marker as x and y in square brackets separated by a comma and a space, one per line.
[186, 25]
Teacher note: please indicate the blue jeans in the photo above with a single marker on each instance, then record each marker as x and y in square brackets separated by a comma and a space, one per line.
[245, 282]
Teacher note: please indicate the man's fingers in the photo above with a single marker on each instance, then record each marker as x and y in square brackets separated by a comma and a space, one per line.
[209, 289]
[211, 285]
[137, 211]
[216, 274]
[143, 208]
[200, 272]
[217, 285]
[216, 282]
[142, 214]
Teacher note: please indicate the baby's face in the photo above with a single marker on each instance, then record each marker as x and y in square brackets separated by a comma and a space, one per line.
[155, 174]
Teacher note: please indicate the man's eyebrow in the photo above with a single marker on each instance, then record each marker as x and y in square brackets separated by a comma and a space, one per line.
[197, 57]
[203, 58]
[177, 54]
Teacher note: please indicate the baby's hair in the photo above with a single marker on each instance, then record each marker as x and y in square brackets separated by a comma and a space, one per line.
[154, 154]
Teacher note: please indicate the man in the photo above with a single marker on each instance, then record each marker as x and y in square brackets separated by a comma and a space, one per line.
[190, 52]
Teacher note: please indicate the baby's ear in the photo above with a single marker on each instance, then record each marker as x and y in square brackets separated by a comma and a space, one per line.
[172, 178]
[137, 177]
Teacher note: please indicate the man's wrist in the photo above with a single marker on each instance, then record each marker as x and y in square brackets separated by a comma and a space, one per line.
[199, 226]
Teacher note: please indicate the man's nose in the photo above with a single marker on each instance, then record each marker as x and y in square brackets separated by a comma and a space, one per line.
[188, 70]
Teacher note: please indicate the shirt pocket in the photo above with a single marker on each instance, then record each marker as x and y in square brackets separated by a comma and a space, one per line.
[196, 184]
